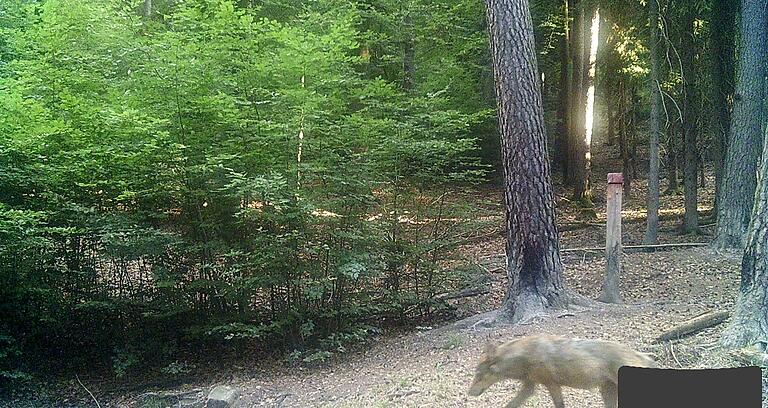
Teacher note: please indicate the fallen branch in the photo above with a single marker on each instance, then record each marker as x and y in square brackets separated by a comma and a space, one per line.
[750, 356]
[694, 325]
[627, 248]
[574, 226]
[630, 247]
[87, 390]
[465, 293]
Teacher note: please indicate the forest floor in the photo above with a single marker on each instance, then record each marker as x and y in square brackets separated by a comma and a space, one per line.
[433, 366]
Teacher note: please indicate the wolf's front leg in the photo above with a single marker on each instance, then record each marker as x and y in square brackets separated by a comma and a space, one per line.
[610, 394]
[556, 392]
[525, 392]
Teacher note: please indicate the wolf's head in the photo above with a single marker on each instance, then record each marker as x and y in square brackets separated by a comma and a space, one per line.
[486, 373]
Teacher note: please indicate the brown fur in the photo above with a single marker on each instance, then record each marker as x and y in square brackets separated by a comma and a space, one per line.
[556, 362]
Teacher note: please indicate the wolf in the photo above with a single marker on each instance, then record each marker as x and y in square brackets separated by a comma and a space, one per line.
[557, 362]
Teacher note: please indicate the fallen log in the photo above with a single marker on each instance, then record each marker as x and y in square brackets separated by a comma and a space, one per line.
[464, 293]
[693, 325]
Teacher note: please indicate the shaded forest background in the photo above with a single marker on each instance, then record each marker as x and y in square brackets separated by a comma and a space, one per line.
[287, 176]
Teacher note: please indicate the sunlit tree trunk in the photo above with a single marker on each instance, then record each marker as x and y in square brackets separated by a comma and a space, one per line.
[690, 130]
[652, 229]
[533, 259]
[745, 143]
[749, 324]
[583, 162]
[722, 39]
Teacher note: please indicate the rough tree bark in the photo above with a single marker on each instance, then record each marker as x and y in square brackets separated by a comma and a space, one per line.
[533, 258]
[749, 325]
[722, 26]
[652, 230]
[690, 131]
[745, 142]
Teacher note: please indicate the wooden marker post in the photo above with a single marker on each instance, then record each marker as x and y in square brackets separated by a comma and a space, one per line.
[610, 292]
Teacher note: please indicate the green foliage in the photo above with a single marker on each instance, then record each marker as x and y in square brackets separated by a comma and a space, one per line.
[220, 173]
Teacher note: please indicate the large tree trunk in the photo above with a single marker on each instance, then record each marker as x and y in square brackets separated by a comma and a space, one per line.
[722, 41]
[745, 143]
[563, 97]
[749, 325]
[690, 131]
[652, 230]
[533, 258]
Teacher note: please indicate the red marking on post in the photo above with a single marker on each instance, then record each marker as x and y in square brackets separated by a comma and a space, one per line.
[615, 178]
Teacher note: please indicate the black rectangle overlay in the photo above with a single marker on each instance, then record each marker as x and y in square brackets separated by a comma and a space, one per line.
[663, 388]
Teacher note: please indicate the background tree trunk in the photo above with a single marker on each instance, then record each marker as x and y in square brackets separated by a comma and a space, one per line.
[146, 9]
[670, 164]
[409, 52]
[577, 85]
[722, 38]
[563, 108]
[690, 130]
[745, 143]
[652, 230]
[533, 259]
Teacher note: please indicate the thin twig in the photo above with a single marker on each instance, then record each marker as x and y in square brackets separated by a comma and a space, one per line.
[672, 350]
[87, 390]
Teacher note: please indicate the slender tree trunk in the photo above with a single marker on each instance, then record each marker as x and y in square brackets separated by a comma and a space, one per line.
[577, 85]
[749, 325]
[624, 138]
[533, 259]
[745, 143]
[691, 166]
[409, 52]
[563, 108]
[652, 230]
[673, 187]
[722, 40]
[632, 134]
[146, 9]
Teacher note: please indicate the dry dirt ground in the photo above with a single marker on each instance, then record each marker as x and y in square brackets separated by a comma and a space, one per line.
[433, 368]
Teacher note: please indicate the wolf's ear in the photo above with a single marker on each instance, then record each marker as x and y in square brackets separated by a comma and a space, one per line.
[490, 349]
